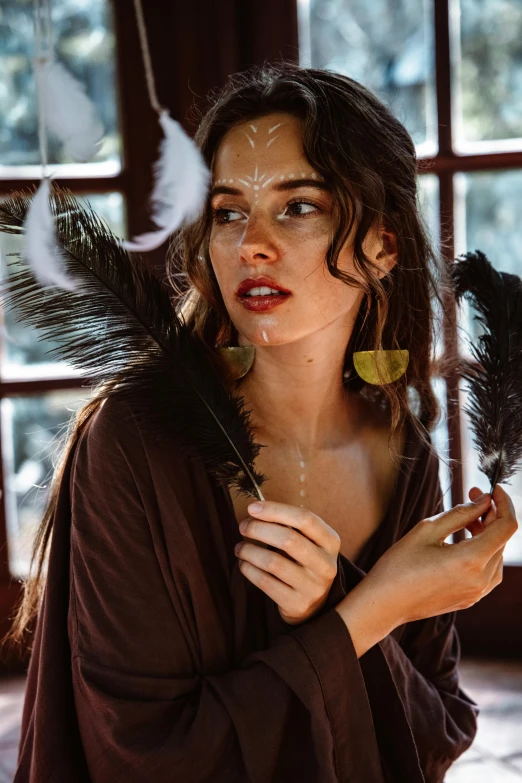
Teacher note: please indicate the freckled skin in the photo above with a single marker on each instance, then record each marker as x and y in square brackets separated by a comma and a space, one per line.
[300, 344]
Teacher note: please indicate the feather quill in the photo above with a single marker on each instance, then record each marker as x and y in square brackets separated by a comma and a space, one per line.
[181, 179]
[121, 327]
[495, 378]
[40, 247]
[69, 114]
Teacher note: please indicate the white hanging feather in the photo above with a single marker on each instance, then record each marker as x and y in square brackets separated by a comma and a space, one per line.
[181, 180]
[40, 247]
[69, 113]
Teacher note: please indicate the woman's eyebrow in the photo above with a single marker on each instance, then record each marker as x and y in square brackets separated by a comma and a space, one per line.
[279, 186]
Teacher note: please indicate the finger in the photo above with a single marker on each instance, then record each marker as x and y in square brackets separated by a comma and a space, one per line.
[496, 535]
[477, 526]
[302, 519]
[491, 515]
[297, 546]
[474, 493]
[505, 507]
[271, 564]
[269, 584]
[457, 518]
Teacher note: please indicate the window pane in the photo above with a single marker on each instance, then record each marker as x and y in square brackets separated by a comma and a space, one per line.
[110, 207]
[487, 218]
[428, 201]
[84, 43]
[386, 46]
[487, 74]
[31, 431]
[23, 354]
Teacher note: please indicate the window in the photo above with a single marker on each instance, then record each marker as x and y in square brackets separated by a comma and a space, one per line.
[38, 395]
[452, 74]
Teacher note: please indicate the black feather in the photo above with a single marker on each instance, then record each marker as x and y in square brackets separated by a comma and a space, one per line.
[122, 329]
[495, 378]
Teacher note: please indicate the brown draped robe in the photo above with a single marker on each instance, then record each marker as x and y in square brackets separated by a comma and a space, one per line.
[156, 661]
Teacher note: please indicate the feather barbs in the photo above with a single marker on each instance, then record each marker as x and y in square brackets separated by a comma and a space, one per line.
[41, 249]
[181, 179]
[495, 378]
[69, 114]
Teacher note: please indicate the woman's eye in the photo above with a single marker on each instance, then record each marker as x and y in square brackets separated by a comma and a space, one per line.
[293, 204]
[222, 215]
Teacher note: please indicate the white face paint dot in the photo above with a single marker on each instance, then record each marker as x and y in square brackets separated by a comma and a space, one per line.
[302, 477]
[231, 181]
[256, 187]
[303, 174]
[302, 464]
[314, 175]
[302, 493]
[282, 176]
[291, 176]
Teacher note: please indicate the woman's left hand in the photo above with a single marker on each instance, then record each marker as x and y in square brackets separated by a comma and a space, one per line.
[299, 588]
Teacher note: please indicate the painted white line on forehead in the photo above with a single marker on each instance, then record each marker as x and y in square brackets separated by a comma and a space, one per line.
[256, 183]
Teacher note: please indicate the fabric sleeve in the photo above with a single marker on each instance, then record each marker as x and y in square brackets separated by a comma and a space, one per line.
[146, 709]
[424, 668]
[422, 658]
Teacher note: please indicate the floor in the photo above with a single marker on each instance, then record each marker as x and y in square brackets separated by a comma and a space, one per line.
[495, 756]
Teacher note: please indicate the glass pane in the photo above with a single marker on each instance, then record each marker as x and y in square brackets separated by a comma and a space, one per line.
[84, 43]
[31, 432]
[386, 46]
[110, 207]
[487, 218]
[487, 74]
[23, 354]
[428, 202]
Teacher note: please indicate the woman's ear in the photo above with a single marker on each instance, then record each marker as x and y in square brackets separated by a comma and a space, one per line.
[387, 257]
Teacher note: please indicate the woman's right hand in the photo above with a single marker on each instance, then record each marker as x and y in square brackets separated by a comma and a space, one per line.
[420, 576]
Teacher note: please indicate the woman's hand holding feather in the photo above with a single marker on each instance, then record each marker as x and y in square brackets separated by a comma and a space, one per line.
[299, 584]
[421, 576]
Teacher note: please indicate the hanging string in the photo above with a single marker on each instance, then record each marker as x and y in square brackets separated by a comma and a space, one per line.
[181, 175]
[147, 62]
[42, 51]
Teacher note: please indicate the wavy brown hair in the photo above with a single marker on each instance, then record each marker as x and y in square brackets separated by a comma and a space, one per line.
[368, 159]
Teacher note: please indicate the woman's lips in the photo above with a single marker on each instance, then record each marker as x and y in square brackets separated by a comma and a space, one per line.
[258, 303]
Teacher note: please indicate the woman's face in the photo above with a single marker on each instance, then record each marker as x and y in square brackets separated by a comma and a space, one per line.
[266, 223]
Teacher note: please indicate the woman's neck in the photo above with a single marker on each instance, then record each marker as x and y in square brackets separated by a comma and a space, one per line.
[320, 417]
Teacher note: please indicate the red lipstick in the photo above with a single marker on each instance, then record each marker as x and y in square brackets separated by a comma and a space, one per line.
[255, 282]
[261, 303]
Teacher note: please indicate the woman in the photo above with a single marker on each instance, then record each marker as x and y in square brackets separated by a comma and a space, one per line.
[322, 645]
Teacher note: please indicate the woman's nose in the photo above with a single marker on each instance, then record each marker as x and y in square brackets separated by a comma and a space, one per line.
[257, 238]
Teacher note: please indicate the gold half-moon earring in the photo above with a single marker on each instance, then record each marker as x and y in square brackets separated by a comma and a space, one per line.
[380, 367]
[239, 359]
